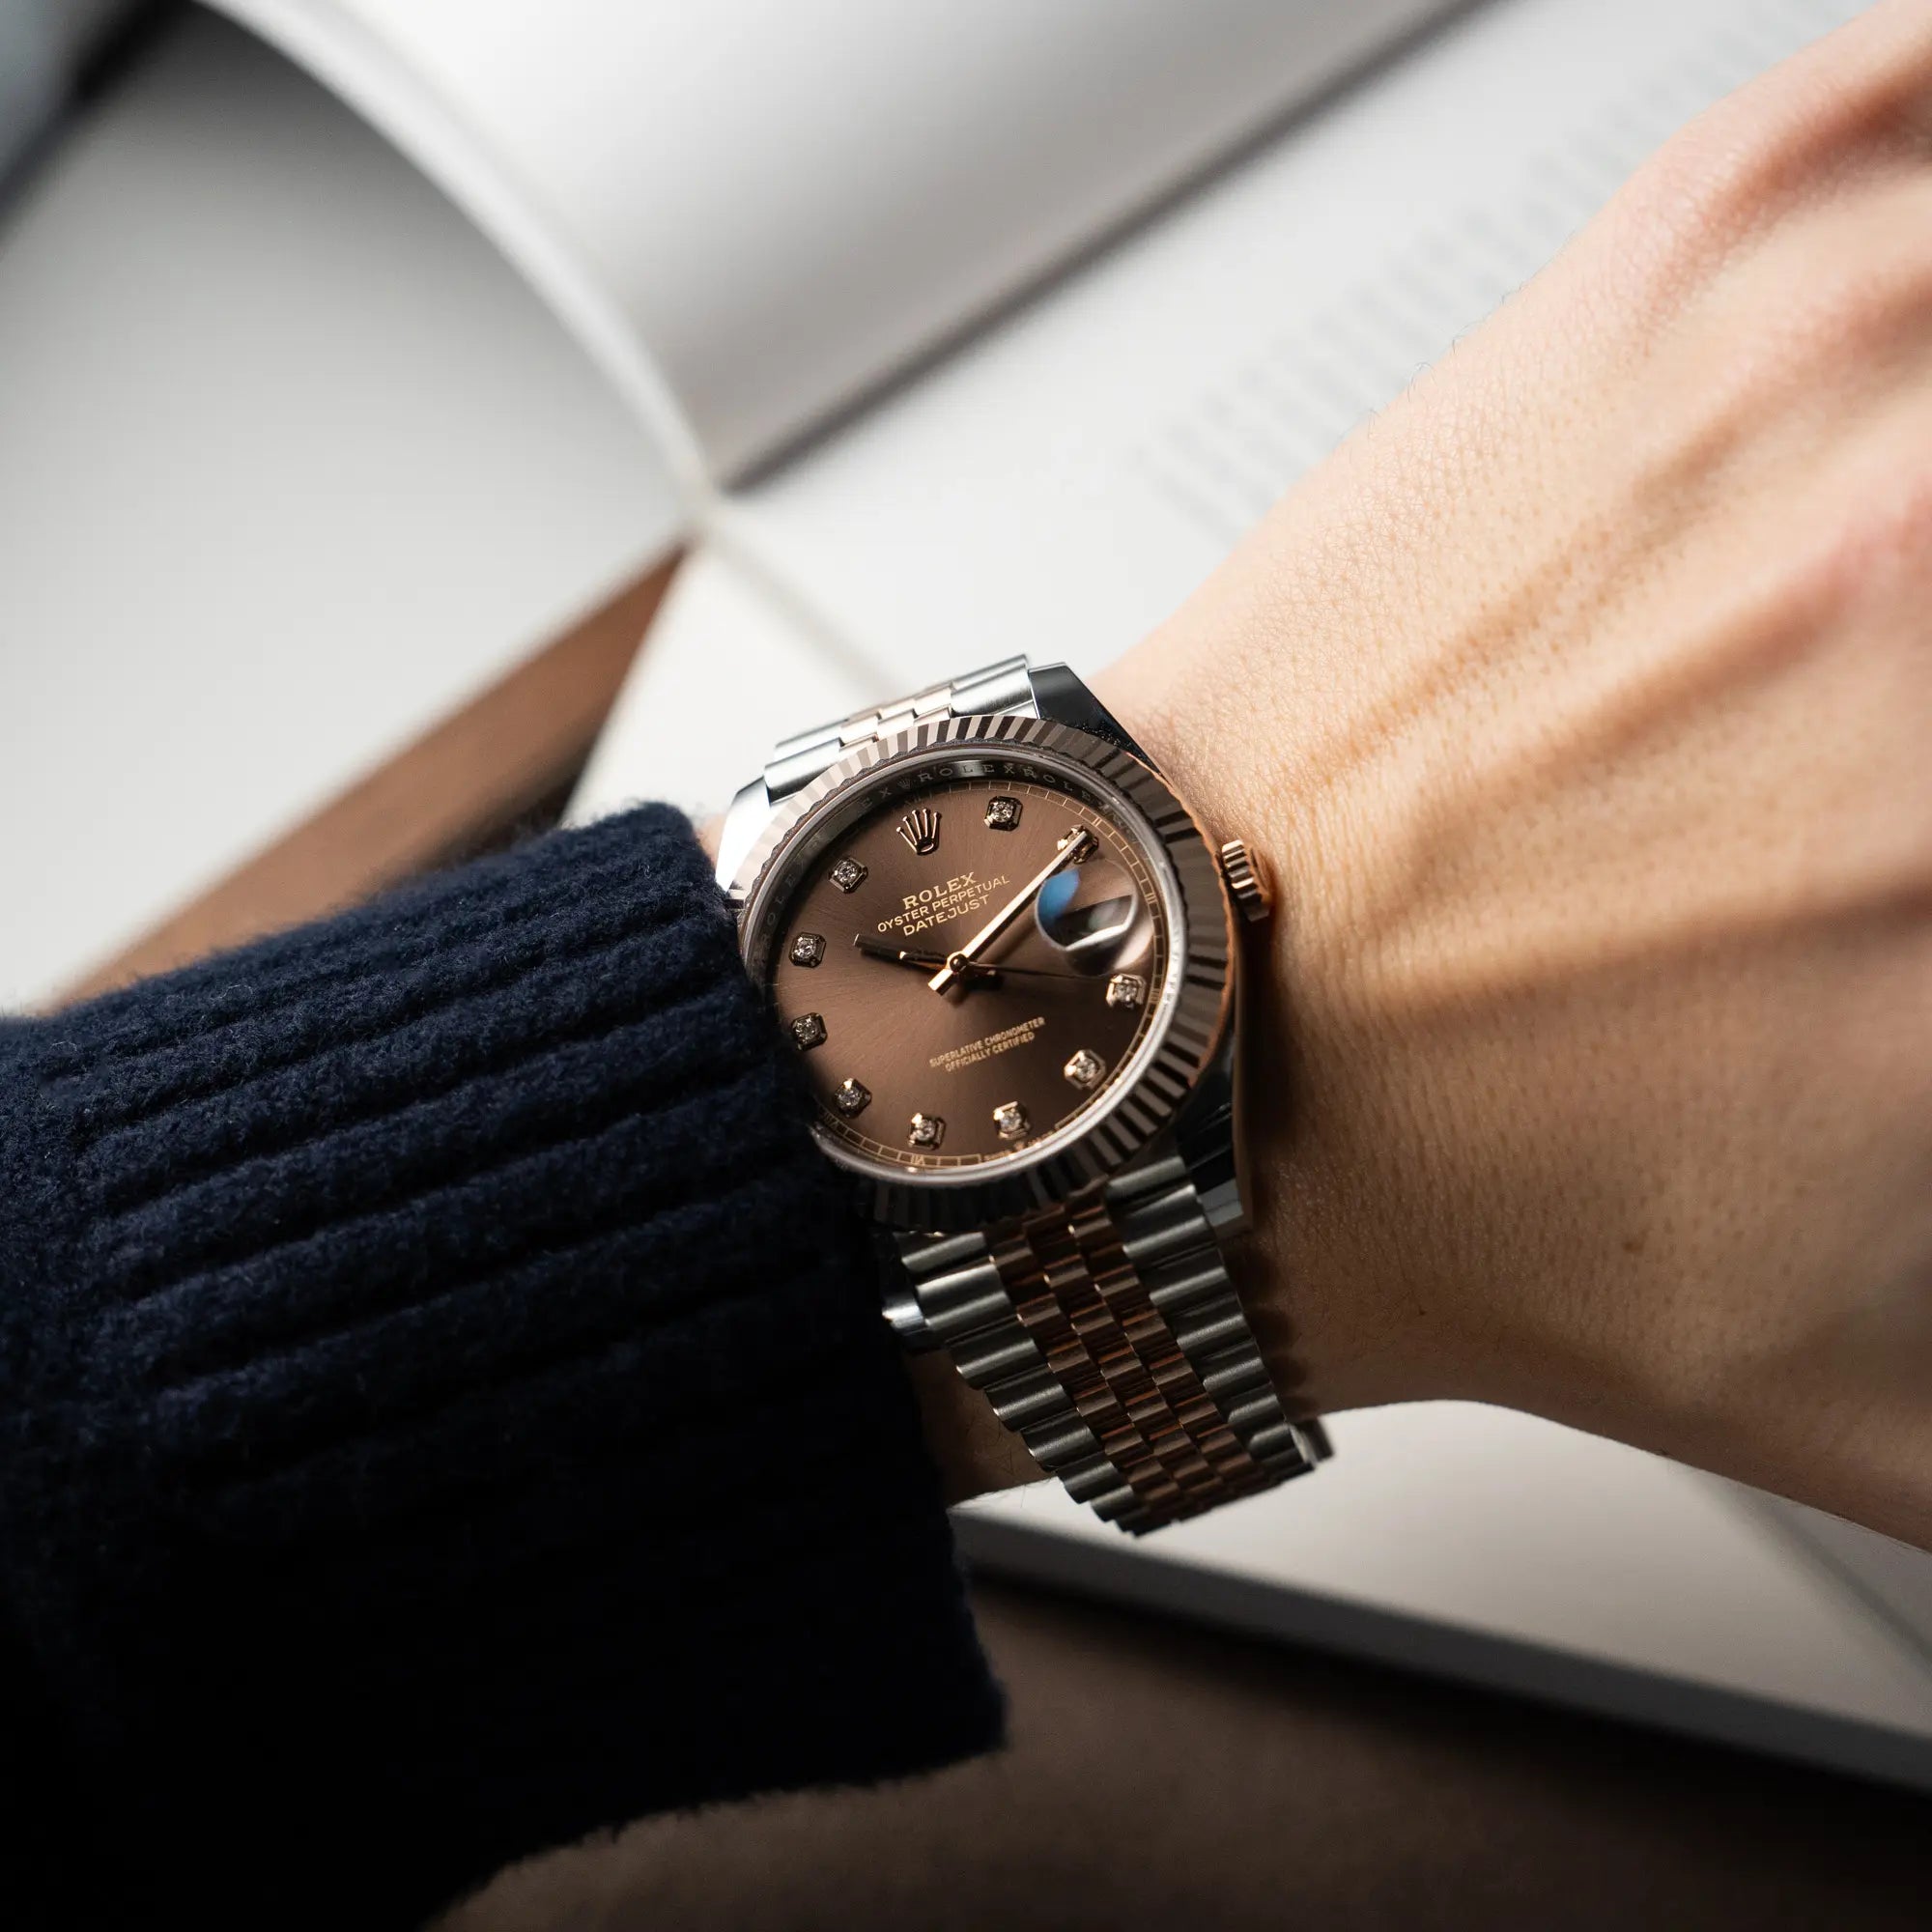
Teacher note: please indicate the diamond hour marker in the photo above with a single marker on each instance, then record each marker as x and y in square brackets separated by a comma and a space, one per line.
[849, 875]
[852, 1098]
[1126, 990]
[1084, 1069]
[1003, 813]
[1010, 1118]
[809, 1030]
[807, 949]
[927, 1131]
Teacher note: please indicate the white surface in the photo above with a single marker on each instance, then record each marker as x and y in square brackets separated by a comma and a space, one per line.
[1511, 1527]
[1067, 480]
[781, 200]
[712, 614]
[1064, 479]
[291, 462]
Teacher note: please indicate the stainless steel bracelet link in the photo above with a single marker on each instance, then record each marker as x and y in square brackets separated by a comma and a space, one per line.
[965, 1295]
[1003, 688]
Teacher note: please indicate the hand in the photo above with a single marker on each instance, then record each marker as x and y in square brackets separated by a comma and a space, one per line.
[1072, 848]
[899, 955]
[1582, 703]
[983, 970]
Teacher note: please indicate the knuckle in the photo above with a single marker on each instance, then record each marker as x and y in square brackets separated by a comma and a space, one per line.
[1881, 551]
[1689, 204]
[1861, 278]
[1850, 107]
[1830, 312]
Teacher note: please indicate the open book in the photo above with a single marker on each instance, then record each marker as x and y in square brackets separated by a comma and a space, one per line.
[968, 330]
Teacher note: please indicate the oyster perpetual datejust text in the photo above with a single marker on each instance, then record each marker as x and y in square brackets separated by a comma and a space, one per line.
[1008, 959]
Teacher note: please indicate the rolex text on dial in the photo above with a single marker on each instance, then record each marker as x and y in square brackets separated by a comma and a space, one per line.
[956, 954]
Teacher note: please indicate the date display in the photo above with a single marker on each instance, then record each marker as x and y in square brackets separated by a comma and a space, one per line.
[1084, 1069]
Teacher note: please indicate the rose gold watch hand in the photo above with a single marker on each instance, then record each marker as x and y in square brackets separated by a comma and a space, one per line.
[899, 957]
[1072, 847]
[982, 969]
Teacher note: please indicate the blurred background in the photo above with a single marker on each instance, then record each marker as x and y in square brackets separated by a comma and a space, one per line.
[292, 461]
[423, 419]
[355, 352]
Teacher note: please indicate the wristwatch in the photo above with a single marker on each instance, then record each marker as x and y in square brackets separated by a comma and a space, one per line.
[1008, 960]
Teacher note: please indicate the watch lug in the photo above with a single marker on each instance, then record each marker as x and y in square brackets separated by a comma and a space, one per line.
[745, 822]
[1206, 1137]
[903, 1314]
[1062, 698]
[1208, 1133]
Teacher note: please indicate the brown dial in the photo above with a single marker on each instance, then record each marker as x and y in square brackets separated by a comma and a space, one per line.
[967, 964]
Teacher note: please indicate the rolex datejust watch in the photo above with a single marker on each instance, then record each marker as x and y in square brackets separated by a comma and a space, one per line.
[1007, 959]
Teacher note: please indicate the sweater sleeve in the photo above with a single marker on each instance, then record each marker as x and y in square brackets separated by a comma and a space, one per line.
[443, 1407]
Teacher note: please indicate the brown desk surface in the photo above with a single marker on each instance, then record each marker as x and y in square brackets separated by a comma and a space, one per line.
[1298, 1791]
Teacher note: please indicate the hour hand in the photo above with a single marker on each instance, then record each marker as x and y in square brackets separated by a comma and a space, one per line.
[1071, 849]
[920, 962]
[989, 972]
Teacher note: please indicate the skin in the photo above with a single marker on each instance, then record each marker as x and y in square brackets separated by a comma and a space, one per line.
[1580, 707]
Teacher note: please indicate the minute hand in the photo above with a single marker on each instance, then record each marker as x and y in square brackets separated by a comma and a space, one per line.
[1072, 848]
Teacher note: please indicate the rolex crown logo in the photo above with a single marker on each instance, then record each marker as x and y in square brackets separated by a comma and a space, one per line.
[920, 830]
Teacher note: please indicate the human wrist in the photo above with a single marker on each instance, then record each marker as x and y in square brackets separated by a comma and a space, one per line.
[1590, 769]
[1314, 1268]
[972, 1451]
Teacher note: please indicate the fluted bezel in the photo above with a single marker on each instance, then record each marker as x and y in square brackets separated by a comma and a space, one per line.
[1197, 996]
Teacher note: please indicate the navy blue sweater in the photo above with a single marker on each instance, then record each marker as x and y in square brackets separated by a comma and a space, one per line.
[443, 1409]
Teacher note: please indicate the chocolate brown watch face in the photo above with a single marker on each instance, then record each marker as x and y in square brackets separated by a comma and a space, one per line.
[969, 963]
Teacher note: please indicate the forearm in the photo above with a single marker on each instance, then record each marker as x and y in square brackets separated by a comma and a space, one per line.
[1474, 1180]
[425, 1437]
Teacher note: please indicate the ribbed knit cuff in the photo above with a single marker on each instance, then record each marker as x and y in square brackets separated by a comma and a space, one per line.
[443, 1402]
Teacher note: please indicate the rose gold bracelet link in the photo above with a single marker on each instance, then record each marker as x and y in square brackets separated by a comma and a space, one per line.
[1115, 1343]
[1171, 1413]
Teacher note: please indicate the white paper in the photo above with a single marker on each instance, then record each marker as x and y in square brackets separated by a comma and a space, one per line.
[1065, 479]
[1513, 1527]
[753, 211]
[292, 465]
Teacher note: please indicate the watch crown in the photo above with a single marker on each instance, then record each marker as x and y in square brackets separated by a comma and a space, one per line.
[1247, 883]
